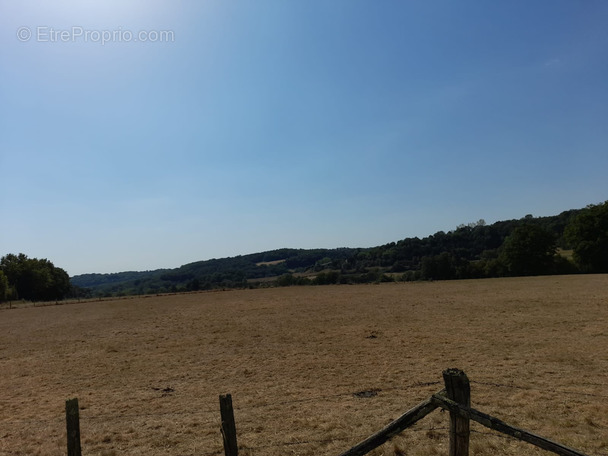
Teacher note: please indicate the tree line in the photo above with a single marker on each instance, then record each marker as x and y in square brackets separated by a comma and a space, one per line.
[574, 241]
[571, 242]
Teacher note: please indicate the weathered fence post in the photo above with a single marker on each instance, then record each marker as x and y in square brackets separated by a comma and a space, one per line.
[458, 389]
[228, 425]
[72, 420]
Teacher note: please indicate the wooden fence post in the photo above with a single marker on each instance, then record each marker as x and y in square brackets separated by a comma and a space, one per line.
[458, 389]
[228, 425]
[72, 420]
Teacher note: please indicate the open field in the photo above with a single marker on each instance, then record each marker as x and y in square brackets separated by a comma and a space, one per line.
[148, 371]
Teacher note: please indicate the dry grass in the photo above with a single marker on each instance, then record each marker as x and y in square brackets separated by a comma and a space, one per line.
[535, 349]
[270, 263]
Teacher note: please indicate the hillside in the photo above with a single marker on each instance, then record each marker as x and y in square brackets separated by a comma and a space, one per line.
[215, 273]
[469, 251]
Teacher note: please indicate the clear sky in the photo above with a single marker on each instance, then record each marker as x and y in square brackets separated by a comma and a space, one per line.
[138, 135]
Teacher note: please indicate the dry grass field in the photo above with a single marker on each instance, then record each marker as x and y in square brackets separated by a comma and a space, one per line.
[148, 371]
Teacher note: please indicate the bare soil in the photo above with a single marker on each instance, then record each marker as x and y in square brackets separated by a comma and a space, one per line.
[311, 370]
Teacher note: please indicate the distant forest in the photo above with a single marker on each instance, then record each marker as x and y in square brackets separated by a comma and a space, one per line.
[575, 241]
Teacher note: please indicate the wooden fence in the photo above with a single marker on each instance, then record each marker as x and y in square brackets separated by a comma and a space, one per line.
[455, 398]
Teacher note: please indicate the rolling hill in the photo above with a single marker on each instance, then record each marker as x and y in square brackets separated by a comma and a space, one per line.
[467, 251]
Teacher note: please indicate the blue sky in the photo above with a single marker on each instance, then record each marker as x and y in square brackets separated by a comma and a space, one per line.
[244, 126]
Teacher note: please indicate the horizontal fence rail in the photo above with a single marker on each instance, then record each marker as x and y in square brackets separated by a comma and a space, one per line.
[392, 429]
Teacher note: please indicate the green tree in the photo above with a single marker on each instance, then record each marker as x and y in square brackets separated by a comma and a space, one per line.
[528, 250]
[285, 280]
[587, 233]
[34, 279]
[4, 287]
[438, 267]
[327, 278]
[12, 265]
